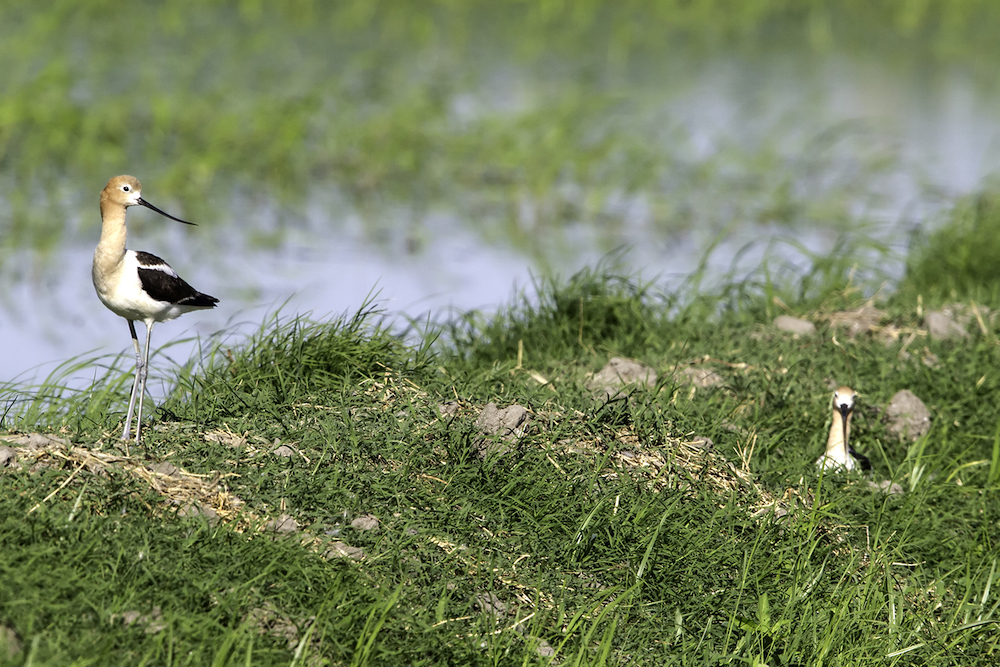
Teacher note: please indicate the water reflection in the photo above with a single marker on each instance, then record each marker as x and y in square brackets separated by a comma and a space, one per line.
[772, 146]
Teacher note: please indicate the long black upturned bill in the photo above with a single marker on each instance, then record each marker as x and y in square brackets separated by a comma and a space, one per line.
[163, 213]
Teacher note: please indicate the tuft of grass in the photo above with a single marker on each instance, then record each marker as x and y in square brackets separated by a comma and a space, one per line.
[956, 261]
[560, 321]
[289, 361]
[53, 404]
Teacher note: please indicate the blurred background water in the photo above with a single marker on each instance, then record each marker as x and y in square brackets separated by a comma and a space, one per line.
[436, 155]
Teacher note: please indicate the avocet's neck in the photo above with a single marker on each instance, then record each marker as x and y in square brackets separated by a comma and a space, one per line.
[109, 257]
[111, 249]
[837, 442]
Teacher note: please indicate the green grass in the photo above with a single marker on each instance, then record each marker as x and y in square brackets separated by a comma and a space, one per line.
[956, 259]
[594, 559]
[599, 561]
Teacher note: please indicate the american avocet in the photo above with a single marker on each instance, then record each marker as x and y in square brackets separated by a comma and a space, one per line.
[137, 285]
[839, 453]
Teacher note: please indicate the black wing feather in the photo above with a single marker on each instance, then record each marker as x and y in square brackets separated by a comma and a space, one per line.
[162, 283]
[862, 460]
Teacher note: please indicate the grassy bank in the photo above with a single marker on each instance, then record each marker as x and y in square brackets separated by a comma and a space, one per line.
[602, 531]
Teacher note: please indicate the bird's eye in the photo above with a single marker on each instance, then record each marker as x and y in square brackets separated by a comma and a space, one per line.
[126, 188]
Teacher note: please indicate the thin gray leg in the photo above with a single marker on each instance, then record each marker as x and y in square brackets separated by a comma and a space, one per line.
[135, 382]
[142, 382]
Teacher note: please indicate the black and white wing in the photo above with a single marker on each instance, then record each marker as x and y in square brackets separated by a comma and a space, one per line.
[162, 283]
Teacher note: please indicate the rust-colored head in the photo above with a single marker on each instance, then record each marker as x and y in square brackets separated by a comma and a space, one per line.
[125, 191]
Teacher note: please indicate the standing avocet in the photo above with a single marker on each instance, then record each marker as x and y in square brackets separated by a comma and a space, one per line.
[839, 453]
[137, 285]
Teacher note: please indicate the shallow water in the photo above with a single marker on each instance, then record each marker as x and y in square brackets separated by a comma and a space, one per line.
[914, 142]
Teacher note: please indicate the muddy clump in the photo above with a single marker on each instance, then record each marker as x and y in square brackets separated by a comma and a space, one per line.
[620, 372]
[794, 325]
[502, 428]
[907, 416]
